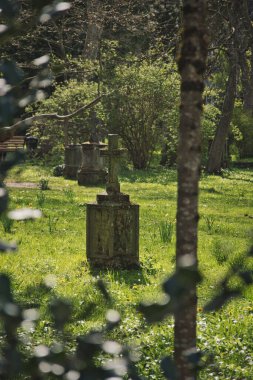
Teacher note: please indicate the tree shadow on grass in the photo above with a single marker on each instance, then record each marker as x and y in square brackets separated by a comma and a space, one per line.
[158, 175]
[33, 296]
[125, 276]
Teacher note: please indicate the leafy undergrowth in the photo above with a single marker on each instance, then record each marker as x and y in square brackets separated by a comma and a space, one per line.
[52, 249]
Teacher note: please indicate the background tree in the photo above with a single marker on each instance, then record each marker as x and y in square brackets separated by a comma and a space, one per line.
[237, 41]
[140, 107]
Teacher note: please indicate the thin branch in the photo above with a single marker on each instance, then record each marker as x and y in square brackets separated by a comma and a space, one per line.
[7, 132]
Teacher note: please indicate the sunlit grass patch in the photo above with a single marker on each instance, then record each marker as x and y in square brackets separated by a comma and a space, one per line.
[55, 245]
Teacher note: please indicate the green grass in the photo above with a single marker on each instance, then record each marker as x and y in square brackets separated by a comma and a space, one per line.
[55, 245]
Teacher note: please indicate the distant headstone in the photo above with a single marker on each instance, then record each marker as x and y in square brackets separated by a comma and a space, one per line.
[112, 224]
[92, 170]
[31, 143]
[72, 160]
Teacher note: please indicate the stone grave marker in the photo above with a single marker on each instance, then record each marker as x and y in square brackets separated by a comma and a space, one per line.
[72, 160]
[92, 170]
[112, 224]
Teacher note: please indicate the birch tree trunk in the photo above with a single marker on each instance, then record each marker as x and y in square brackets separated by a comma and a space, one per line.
[191, 65]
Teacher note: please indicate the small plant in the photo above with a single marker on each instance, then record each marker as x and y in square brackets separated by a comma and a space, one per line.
[52, 221]
[43, 184]
[70, 195]
[222, 250]
[209, 223]
[7, 223]
[212, 190]
[40, 199]
[58, 170]
[237, 260]
[166, 229]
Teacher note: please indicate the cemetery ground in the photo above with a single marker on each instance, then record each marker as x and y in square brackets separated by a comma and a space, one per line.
[55, 245]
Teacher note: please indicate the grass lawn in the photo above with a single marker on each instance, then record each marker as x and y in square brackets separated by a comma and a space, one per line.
[55, 245]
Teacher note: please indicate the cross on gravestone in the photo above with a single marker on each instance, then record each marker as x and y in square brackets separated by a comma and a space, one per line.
[113, 153]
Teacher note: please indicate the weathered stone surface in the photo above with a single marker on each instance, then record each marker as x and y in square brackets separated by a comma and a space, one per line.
[113, 153]
[112, 239]
[113, 198]
[112, 224]
[72, 160]
[92, 170]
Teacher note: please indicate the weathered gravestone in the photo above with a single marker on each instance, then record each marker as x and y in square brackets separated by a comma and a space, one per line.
[112, 224]
[72, 160]
[92, 170]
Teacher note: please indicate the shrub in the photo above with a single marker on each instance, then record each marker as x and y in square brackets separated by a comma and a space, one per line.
[166, 229]
[221, 250]
[208, 127]
[244, 136]
[143, 99]
[58, 170]
[40, 198]
[43, 184]
[67, 98]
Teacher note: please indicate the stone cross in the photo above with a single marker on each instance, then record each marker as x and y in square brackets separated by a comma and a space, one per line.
[113, 153]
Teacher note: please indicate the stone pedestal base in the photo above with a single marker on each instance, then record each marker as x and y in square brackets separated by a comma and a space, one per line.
[91, 177]
[92, 170]
[72, 160]
[112, 235]
[70, 172]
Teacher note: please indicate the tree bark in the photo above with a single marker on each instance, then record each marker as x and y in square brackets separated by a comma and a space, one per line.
[247, 82]
[191, 65]
[214, 163]
[246, 43]
[94, 29]
[241, 37]
[248, 88]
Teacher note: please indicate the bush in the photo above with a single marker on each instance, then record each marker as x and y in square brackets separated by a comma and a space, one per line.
[43, 184]
[243, 122]
[58, 170]
[67, 98]
[208, 127]
[143, 99]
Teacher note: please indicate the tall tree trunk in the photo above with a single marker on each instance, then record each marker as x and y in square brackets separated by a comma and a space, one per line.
[191, 65]
[218, 145]
[241, 38]
[247, 82]
[94, 29]
[246, 43]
